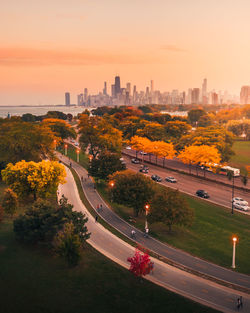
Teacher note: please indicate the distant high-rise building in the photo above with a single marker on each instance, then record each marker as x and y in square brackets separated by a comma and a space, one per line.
[215, 98]
[67, 98]
[117, 86]
[105, 88]
[151, 86]
[204, 92]
[195, 96]
[80, 99]
[113, 91]
[128, 88]
[85, 94]
[245, 95]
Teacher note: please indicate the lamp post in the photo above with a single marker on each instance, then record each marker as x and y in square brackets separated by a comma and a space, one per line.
[55, 143]
[146, 212]
[234, 246]
[112, 185]
[65, 149]
[77, 153]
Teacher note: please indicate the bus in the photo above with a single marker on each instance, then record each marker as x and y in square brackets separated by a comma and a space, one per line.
[225, 169]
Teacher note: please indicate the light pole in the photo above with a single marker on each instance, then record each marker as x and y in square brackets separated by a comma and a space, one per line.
[146, 212]
[65, 149]
[112, 185]
[234, 246]
[55, 143]
[77, 153]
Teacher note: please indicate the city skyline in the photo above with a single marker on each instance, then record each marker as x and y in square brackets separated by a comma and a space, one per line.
[50, 48]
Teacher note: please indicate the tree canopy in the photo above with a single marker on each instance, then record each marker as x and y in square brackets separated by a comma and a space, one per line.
[60, 128]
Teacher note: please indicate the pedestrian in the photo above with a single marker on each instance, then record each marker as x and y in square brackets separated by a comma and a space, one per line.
[82, 178]
[133, 233]
[96, 218]
[70, 164]
[241, 302]
[100, 207]
[146, 232]
[94, 187]
[152, 267]
[97, 208]
[238, 304]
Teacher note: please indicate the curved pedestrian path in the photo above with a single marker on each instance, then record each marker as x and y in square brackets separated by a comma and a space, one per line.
[173, 256]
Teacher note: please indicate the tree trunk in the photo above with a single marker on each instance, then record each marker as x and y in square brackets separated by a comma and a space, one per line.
[163, 162]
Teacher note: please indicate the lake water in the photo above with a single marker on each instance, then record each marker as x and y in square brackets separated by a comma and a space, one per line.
[39, 110]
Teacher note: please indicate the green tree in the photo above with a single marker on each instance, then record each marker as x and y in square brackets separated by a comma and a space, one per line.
[60, 128]
[25, 141]
[38, 179]
[1, 213]
[42, 221]
[195, 114]
[106, 164]
[205, 121]
[132, 189]
[170, 208]
[67, 244]
[10, 202]
[176, 129]
[28, 117]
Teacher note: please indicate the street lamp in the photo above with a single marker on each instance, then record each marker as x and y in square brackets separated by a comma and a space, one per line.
[77, 153]
[234, 246]
[111, 185]
[55, 143]
[66, 149]
[146, 212]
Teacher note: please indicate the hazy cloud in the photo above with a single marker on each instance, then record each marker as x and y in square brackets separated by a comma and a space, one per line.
[45, 57]
[172, 48]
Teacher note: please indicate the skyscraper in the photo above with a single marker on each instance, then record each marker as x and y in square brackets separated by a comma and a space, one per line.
[105, 88]
[85, 94]
[67, 98]
[245, 95]
[128, 88]
[204, 92]
[151, 86]
[117, 86]
[195, 96]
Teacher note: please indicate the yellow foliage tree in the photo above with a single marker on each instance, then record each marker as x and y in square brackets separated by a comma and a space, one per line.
[204, 155]
[39, 179]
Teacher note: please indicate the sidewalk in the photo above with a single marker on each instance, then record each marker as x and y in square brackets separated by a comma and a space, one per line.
[174, 256]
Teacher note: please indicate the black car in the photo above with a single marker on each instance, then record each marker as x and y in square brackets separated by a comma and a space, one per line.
[171, 179]
[156, 178]
[135, 161]
[202, 194]
[143, 170]
[145, 167]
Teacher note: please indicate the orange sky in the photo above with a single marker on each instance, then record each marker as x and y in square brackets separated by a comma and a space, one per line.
[49, 48]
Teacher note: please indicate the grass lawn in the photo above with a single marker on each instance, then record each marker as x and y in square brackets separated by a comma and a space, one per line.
[242, 155]
[83, 158]
[33, 280]
[210, 236]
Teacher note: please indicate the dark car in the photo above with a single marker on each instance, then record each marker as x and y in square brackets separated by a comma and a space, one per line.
[171, 179]
[202, 194]
[156, 178]
[143, 170]
[145, 167]
[135, 161]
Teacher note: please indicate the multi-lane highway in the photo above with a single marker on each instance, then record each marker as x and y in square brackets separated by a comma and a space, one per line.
[218, 193]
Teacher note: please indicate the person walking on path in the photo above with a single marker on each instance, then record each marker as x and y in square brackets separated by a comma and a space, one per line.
[133, 233]
[238, 304]
[241, 302]
[97, 208]
[96, 218]
[100, 207]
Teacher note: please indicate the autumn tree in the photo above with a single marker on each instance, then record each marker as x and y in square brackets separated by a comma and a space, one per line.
[67, 244]
[132, 189]
[97, 135]
[106, 164]
[215, 136]
[169, 207]
[176, 129]
[25, 141]
[240, 128]
[160, 149]
[140, 263]
[38, 179]
[200, 155]
[60, 128]
[152, 130]
[10, 202]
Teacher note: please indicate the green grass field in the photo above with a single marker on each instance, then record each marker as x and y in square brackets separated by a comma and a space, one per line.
[242, 155]
[210, 236]
[33, 280]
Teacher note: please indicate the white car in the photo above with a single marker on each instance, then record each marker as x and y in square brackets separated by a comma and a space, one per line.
[76, 144]
[240, 200]
[128, 148]
[240, 206]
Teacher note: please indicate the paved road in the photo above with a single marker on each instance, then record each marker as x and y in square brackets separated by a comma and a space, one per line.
[178, 165]
[218, 193]
[190, 286]
[156, 246]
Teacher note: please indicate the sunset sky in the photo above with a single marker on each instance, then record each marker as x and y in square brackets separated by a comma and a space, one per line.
[52, 46]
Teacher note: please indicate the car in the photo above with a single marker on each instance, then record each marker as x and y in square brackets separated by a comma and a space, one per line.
[135, 161]
[143, 153]
[240, 200]
[240, 206]
[145, 166]
[128, 148]
[202, 193]
[143, 170]
[156, 178]
[171, 179]
[76, 144]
